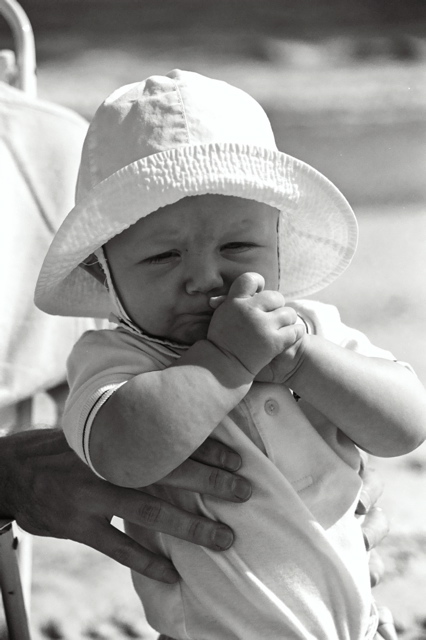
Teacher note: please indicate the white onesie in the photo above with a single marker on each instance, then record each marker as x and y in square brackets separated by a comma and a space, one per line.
[298, 567]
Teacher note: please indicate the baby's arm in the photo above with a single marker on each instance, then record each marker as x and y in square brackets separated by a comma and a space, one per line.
[378, 403]
[156, 420]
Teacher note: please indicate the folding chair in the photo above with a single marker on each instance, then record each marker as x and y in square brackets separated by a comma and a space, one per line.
[40, 147]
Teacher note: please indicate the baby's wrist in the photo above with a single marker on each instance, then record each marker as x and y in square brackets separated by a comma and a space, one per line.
[224, 364]
[297, 355]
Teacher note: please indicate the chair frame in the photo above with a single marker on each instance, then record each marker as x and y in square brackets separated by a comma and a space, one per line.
[11, 584]
[15, 581]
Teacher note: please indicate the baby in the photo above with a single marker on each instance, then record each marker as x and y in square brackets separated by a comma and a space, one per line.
[197, 237]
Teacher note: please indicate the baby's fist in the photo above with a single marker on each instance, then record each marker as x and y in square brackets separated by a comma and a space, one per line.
[250, 324]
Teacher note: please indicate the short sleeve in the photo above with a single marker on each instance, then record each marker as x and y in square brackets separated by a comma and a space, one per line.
[100, 362]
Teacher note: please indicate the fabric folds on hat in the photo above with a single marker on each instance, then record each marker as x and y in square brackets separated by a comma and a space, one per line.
[154, 142]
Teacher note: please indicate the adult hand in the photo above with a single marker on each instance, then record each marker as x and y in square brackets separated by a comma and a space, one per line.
[375, 527]
[386, 629]
[49, 491]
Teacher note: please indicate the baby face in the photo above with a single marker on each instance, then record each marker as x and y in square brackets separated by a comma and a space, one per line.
[167, 266]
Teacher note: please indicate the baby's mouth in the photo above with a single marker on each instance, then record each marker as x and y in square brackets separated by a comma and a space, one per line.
[207, 313]
[196, 317]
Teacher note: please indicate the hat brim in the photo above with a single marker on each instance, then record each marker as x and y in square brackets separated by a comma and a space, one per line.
[317, 231]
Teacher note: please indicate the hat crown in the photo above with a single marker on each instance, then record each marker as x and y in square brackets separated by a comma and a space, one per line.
[167, 112]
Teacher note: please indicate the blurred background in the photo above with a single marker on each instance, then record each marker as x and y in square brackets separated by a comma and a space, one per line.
[344, 84]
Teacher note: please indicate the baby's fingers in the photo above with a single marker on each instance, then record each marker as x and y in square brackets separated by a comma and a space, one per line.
[271, 301]
[246, 285]
[290, 334]
[282, 315]
[216, 301]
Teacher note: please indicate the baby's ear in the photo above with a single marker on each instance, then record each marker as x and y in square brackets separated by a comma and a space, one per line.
[93, 266]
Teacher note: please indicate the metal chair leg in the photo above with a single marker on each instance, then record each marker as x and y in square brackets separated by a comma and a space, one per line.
[11, 586]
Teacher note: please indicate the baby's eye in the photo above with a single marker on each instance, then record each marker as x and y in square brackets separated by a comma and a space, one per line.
[162, 258]
[236, 247]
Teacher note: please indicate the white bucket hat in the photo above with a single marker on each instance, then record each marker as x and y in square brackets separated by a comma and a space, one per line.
[154, 142]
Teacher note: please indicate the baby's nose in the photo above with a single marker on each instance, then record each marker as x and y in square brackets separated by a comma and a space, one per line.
[203, 275]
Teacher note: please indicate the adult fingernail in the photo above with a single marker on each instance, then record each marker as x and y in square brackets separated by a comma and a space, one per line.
[385, 617]
[169, 575]
[374, 579]
[364, 503]
[387, 631]
[386, 628]
[223, 538]
[242, 489]
[231, 461]
[367, 542]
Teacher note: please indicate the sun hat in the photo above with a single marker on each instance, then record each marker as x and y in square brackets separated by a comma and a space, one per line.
[155, 142]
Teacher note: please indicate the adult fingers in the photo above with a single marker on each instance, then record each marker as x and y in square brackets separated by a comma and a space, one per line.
[217, 454]
[38, 442]
[371, 491]
[156, 514]
[246, 285]
[376, 568]
[115, 544]
[386, 629]
[374, 528]
[201, 478]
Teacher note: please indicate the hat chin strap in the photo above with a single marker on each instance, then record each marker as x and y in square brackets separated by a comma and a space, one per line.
[119, 312]
[120, 316]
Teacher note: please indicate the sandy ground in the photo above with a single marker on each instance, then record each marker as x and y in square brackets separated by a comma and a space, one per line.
[76, 592]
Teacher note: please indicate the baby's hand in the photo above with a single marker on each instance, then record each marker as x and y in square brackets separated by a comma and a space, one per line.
[285, 363]
[253, 325]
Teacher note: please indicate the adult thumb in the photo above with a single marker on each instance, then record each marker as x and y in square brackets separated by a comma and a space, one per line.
[247, 285]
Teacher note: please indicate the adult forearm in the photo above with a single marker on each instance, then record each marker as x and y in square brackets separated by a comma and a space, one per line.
[51, 492]
[379, 404]
[25, 459]
[155, 421]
